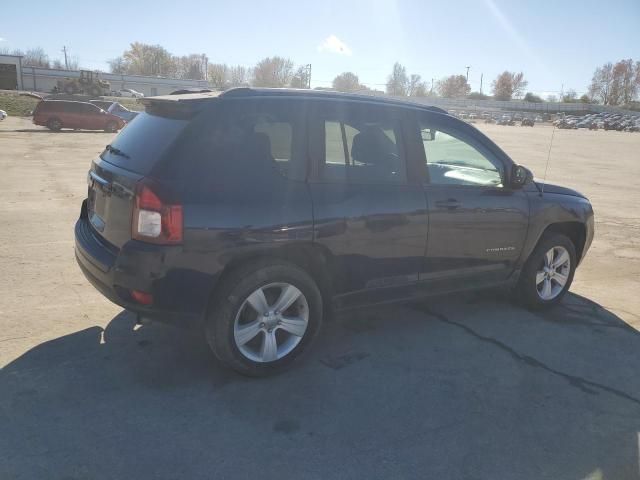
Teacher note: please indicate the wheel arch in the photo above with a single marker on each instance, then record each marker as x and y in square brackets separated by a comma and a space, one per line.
[575, 231]
[310, 257]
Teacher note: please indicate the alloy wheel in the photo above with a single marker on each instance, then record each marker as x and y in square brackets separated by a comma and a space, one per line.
[553, 275]
[271, 322]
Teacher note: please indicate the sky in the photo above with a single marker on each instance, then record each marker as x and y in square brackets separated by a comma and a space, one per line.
[557, 44]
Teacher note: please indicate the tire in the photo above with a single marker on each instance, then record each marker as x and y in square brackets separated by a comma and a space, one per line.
[232, 311]
[54, 124]
[111, 127]
[542, 287]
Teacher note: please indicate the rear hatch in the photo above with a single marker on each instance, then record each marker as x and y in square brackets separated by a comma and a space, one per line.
[114, 176]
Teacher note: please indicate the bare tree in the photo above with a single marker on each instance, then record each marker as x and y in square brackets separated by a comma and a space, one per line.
[190, 66]
[36, 57]
[508, 85]
[454, 86]
[570, 97]
[601, 84]
[347, 82]
[218, 75]
[398, 82]
[144, 59]
[416, 87]
[118, 65]
[238, 76]
[300, 78]
[273, 72]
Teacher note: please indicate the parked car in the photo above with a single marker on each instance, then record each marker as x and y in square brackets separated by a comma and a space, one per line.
[506, 120]
[3, 115]
[538, 119]
[258, 212]
[115, 108]
[128, 92]
[58, 114]
[527, 122]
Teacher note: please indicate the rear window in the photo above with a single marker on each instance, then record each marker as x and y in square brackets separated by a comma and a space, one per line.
[145, 139]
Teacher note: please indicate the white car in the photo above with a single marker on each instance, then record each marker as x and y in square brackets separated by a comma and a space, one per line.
[129, 92]
[3, 115]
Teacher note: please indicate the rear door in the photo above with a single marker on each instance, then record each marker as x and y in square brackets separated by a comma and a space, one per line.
[114, 175]
[369, 212]
[477, 224]
[92, 117]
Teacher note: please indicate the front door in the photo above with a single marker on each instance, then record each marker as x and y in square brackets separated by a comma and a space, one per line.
[368, 213]
[477, 224]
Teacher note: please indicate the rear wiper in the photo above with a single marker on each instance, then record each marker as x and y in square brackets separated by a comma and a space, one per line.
[116, 151]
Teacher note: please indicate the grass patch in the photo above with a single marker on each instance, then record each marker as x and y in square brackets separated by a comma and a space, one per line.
[17, 105]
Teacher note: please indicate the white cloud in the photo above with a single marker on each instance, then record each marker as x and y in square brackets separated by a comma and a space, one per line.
[333, 44]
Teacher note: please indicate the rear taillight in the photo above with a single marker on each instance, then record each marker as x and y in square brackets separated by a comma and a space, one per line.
[155, 221]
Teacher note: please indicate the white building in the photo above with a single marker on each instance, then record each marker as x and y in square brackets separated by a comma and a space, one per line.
[13, 75]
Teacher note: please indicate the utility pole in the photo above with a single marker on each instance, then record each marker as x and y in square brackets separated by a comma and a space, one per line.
[481, 75]
[205, 60]
[561, 92]
[308, 67]
[432, 86]
[467, 73]
[66, 62]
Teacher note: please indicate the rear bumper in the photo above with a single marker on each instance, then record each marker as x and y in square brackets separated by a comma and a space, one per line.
[115, 272]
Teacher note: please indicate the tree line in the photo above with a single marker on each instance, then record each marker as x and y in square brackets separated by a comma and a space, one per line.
[612, 83]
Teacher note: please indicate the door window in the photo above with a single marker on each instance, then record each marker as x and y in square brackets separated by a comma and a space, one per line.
[453, 161]
[362, 147]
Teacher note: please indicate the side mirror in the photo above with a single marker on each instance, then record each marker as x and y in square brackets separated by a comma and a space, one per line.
[520, 176]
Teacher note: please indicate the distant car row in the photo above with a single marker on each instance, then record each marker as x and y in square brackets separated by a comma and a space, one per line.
[595, 121]
[92, 115]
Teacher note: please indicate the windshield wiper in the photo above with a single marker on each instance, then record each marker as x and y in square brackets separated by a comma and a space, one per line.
[116, 151]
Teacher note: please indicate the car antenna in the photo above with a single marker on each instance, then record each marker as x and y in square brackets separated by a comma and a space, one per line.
[546, 167]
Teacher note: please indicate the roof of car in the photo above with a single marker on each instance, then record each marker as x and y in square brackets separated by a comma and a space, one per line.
[247, 92]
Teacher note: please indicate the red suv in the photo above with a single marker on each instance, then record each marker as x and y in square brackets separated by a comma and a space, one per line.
[57, 114]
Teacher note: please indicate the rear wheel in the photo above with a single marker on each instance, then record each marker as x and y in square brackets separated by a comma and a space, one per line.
[54, 124]
[548, 273]
[111, 127]
[94, 91]
[264, 317]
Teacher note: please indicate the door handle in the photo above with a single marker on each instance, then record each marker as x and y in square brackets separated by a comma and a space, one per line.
[450, 204]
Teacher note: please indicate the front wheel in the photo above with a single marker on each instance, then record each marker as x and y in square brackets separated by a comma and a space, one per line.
[548, 273]
[111, 127]
[265, 316]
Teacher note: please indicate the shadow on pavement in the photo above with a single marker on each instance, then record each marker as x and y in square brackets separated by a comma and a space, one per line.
[470, 388]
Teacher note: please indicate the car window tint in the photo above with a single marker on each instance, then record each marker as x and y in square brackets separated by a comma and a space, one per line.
[362, 147]
[452, 161]
[280, 135]
[244, 142]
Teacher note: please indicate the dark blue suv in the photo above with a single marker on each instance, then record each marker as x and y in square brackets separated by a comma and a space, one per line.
[257, 213]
